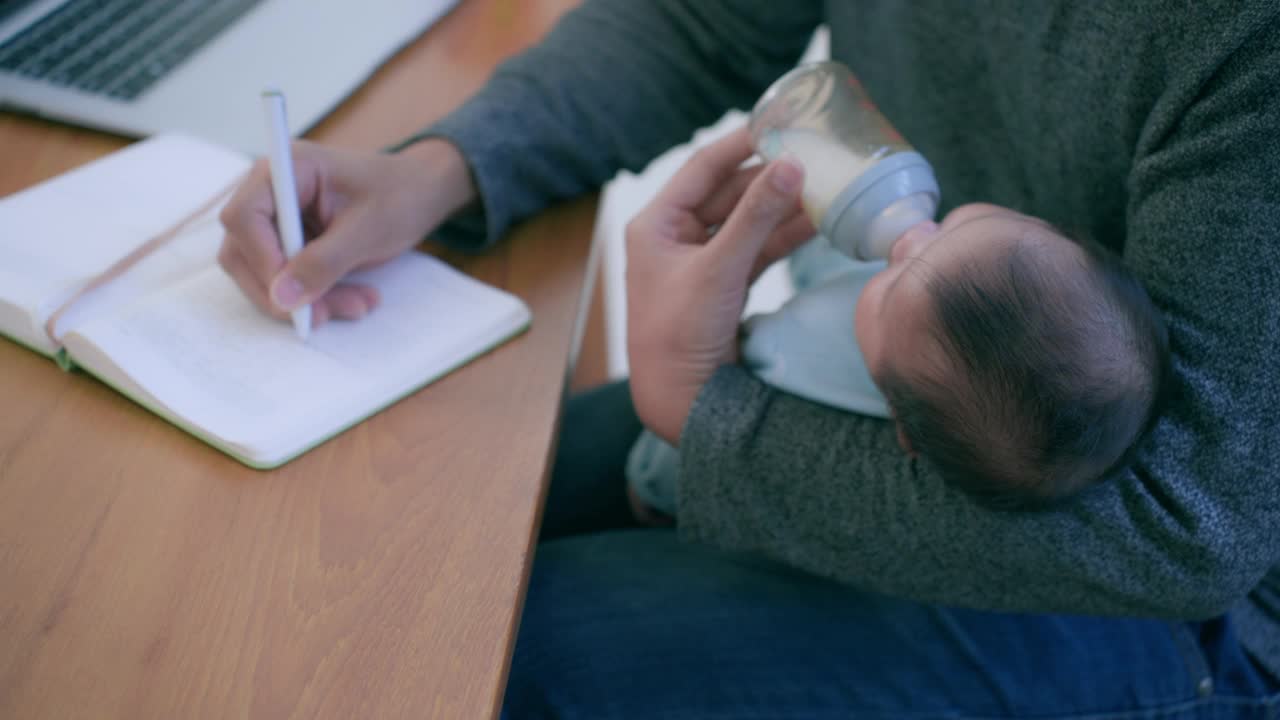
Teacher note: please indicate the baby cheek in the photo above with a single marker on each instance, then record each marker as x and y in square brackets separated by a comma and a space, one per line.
[865, 331]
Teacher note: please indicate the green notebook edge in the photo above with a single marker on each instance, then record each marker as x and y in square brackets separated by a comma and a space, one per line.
[58, 356]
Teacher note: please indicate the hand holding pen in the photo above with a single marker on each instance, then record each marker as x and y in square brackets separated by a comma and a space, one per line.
[358, 209]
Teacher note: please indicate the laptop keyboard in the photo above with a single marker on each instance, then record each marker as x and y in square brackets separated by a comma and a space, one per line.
[117, 48]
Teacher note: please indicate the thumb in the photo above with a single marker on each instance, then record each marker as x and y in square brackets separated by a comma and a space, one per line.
[769, 201]
[311, 273]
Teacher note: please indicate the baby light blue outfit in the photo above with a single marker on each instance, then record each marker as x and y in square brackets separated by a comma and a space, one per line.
[806, 348]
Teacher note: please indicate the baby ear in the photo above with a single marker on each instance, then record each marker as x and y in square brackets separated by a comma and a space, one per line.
[903, 441]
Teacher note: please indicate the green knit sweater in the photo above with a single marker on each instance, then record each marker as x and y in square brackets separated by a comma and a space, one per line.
[1152, 126]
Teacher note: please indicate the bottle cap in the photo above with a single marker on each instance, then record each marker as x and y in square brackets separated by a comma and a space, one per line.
[891, 196]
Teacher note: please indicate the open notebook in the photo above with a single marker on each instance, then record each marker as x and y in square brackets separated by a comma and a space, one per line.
[174, 333]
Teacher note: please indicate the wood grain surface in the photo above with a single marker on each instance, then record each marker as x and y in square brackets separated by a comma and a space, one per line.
[145, 575]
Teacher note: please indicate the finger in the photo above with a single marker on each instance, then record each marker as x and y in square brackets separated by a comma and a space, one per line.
[349, 301]
[723, 199]
[318, 267]
[769, 202]
[250, 216]
[709, 168]
[791, 234]
[249, 221]
[317, 200]
[658, 226]
[319, 314]
[233, 263]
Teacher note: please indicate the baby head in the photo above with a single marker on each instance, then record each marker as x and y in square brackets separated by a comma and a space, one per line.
[1022, 364]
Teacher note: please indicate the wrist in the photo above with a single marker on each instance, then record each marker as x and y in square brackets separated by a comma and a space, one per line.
[439, 180]
[663, 407]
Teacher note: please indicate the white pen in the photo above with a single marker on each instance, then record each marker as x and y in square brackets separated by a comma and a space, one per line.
[285, 190]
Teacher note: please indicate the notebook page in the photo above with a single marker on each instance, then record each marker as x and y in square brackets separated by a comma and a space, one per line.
[201, 351]
[57, 235]
[184, 255]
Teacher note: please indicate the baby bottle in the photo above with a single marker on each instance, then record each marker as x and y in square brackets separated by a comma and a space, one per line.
[864, 185]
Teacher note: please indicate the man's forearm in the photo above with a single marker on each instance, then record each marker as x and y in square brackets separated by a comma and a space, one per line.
[600, 94]
[832, 493]
[441, 183]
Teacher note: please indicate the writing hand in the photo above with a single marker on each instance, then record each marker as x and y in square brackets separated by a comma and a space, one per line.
[359, 209]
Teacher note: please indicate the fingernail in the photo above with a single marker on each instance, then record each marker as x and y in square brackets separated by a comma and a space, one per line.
[286, 292]
[787, 175]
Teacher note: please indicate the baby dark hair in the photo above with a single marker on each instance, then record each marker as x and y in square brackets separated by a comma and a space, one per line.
[1053, 374]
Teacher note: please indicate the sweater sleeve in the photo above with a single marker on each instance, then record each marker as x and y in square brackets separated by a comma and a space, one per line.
[1185, 532]
[600, 93]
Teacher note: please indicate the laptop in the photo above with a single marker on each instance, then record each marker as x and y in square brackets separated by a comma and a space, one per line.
[139, 67]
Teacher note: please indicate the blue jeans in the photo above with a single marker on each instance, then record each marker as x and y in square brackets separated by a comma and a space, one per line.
[622, 622]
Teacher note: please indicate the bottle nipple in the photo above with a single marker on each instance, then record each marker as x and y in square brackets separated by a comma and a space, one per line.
[898, 217]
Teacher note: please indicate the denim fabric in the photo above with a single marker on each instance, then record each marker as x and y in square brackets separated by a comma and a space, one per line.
[634, 624]
[630, 623]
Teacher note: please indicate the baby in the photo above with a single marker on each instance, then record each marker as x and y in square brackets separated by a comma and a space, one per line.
[1022, 364]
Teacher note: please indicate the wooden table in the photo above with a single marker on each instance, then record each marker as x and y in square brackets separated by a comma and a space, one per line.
[143, 575]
